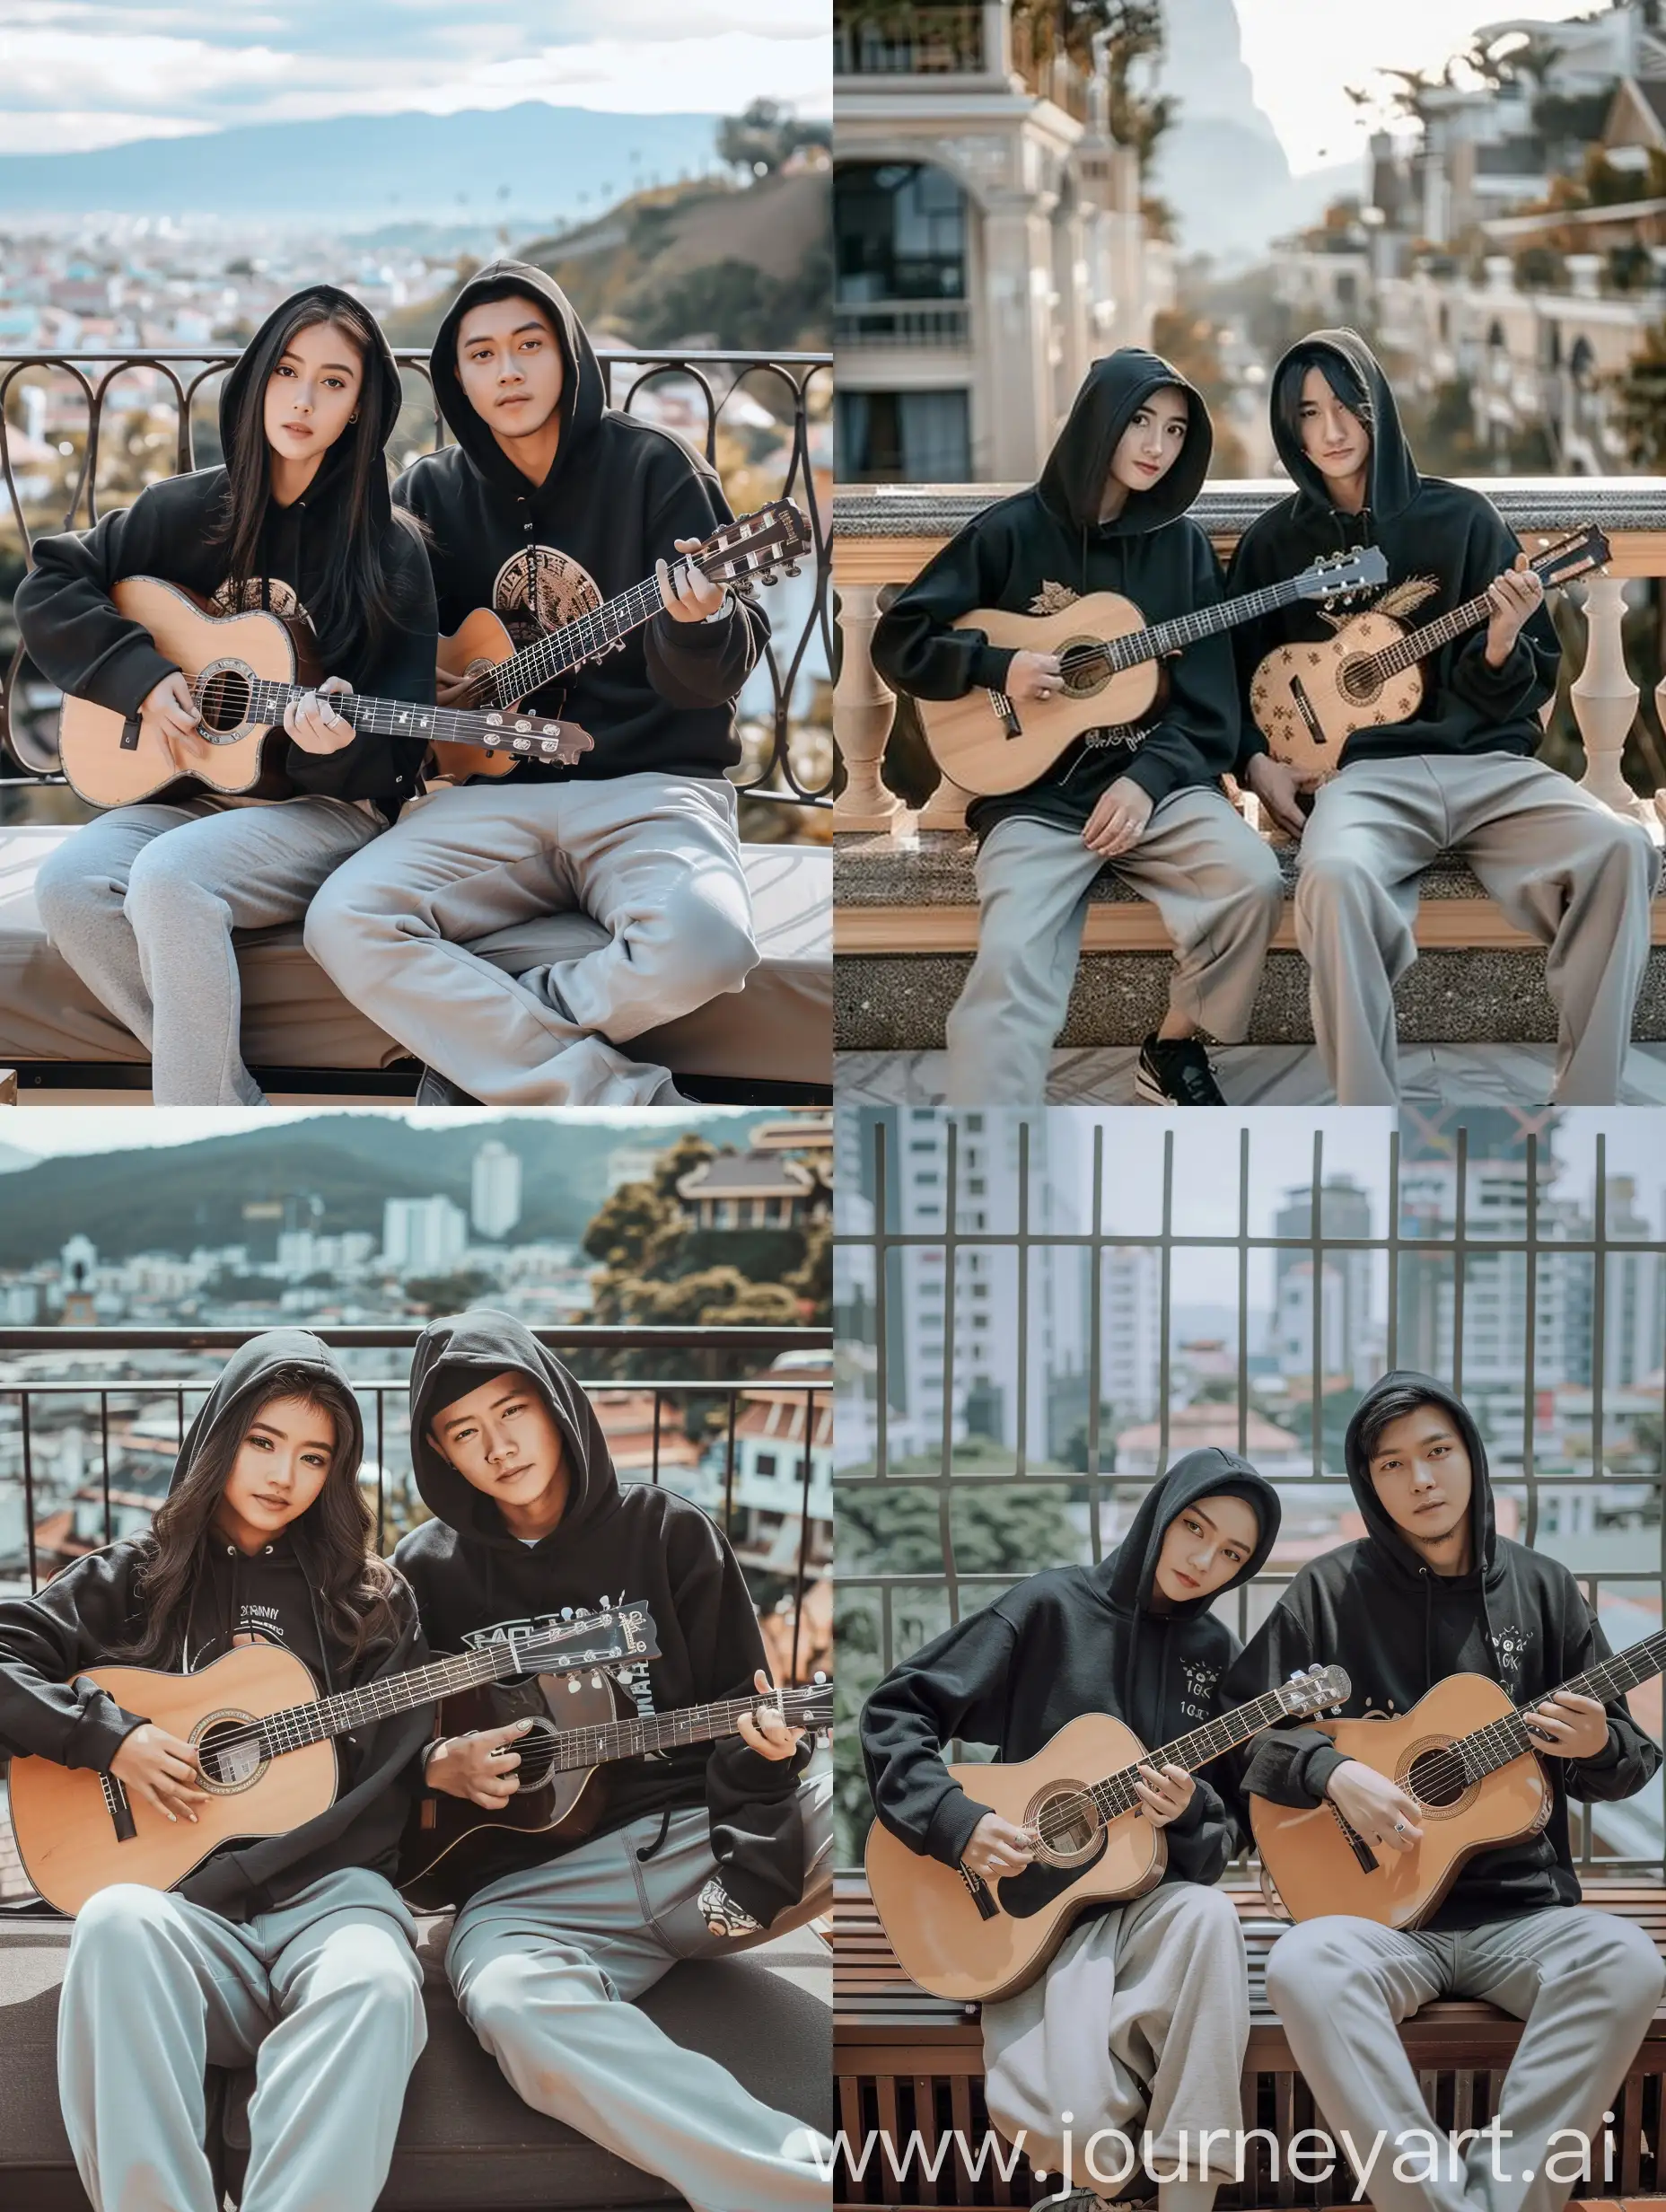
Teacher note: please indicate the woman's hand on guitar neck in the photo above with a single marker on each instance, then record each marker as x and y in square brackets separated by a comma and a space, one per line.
[1375, 1807]
[169, 714]
[764, 1730]
[160, 1769]
[1165, 1793]
[480, 1767]
[1569, 1726]
[995, 1848]
[314, 725]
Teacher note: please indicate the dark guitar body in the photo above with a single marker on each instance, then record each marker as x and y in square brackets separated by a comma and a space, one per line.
[445, 1837]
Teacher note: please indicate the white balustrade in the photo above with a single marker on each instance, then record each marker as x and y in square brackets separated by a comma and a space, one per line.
[1605, 698]
[863, 709]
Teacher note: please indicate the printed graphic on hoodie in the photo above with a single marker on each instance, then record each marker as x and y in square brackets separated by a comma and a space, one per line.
[540, 590]
[261, 595]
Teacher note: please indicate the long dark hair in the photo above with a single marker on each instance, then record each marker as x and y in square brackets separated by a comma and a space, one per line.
[333, 1536]
[357, 605]
[1336, 373]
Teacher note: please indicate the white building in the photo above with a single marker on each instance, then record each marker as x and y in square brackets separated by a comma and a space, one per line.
[494, 1204]
[423, 1236]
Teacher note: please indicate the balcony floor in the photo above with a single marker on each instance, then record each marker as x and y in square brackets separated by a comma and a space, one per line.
[1507, 1075]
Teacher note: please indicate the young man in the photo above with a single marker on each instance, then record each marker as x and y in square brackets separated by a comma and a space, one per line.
[1144, 2010]
[700, 1851]
[1461, 775]
[549, 504]
[1430, 1590]
[1108, 514]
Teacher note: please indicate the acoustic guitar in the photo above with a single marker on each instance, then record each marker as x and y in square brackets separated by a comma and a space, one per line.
[987, 742]
[753, 551]
[264, 1740]
[962, 1937]
[242, 671]
[1468, 1757]
[581, 1725]
[1308, 700]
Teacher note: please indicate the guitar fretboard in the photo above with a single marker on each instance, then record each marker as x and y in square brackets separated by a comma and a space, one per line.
[1118, 1793]
[1501, 1741]
[267, 700]
[575, 1748]
[1186, 629]
[1417, 644]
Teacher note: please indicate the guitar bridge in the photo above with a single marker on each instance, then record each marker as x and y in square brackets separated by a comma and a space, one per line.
[1006, 714]
[983, 1897]
[121, 1811]
[1369, 1862]
[1304, 708]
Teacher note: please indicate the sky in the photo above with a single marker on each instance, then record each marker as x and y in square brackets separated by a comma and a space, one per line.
[48, 1131]
[1302, 52]
[77, 73]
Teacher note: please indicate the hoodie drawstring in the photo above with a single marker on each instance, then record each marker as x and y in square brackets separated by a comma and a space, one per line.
[649, 1850]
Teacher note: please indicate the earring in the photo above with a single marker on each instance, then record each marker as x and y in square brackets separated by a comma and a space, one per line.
[354, 417]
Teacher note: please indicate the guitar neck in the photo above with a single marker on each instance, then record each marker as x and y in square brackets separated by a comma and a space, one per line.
[1118, 1793]
[340, 1714]
[576, 1748]
[558, 653]
[1501, 1741]
[1417, 644]
[1186, 629]
[381, 717]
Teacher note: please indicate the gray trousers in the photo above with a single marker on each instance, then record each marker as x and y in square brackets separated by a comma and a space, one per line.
[1586, 1983]
[545, 1964]
[1140, 2023]
[1213, 880]
[324, 1995]
[1561, 864]
[655, 859]
[142, 903]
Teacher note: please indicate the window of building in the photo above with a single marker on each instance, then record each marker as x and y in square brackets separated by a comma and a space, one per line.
[900, 232]
[910, 438]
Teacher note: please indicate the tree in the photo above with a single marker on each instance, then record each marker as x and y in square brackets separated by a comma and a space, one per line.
[766, 136]
[446, 1293]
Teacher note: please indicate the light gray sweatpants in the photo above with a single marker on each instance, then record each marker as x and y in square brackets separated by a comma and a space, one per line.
[324, 1995]
[1562, 866]
[142, 903]
[655, 859]
[545, 1964]
[1586, 1984]
[1215, 884]
[1139, 2024]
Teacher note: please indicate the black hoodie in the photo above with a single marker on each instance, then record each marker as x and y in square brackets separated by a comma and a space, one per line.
[173, 531]
[1070, 1640]
[1426, 528]
[614, 1543]
[1043, 548]
[93, 1609]
[618, 492]
[1373, 1608]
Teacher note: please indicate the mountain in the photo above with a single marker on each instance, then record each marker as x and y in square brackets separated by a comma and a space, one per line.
[11, 1159]
[525, 163]
[1220, 165]
[172, 1199]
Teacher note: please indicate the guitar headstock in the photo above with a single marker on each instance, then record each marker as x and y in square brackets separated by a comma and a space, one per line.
[503, 729]
[1314, 1690]
[1566, 560]
[1338, 575]
[812, 1709]
[755, 549]
[622, 1635]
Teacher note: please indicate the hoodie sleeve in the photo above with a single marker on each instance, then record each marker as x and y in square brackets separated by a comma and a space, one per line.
[67, 618]
[363, 1827]
[752, 1802]
[1288, 1765]
[46, 1641]
[955, 1686]
[401, 666]
[699, 663]
[916, 649]
[1196, 740]
[1527, 676]
[1630, 1758]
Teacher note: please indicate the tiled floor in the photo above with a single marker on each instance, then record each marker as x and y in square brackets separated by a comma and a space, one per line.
[1261, 1075]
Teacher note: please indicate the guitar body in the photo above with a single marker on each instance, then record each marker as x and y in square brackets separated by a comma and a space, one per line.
[939, 1936]
[445, 1836]
[971, 742]
[1311, 1860]
[66, 1832]
[105, 772]
[481, 644]
[1308, 700]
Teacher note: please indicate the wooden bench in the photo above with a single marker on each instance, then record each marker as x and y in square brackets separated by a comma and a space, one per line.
[905, 2060]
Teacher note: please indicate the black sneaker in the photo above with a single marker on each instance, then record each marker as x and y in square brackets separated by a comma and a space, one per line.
[1175, 1073]
[434, 1089]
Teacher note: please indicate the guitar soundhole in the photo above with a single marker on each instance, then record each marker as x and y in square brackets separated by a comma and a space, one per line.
[1086, 676]
[229, 1758]
[1065, 1820]
[538, 1750]
[1356, 680]
[225, 699]
[1435, 1778]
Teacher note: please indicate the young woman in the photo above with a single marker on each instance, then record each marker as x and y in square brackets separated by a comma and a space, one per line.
[1145, 2009]
[1108, 514]
[294, 1951]
[142, 902]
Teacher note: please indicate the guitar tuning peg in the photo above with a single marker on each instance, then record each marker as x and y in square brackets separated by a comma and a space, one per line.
[793, 568]
[573, 1685]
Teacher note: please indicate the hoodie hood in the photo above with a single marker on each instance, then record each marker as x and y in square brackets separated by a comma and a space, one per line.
[1129, 1575]
[583, 399]
[1393, 481]
[244, 1380]
[1073, 482]
[379, 403]
[1379, 1528]
[456, 1356]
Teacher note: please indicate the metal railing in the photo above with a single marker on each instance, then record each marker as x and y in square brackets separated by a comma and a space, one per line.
[726, 382]
[902, 322]
[30, 1402]
[868, 1336]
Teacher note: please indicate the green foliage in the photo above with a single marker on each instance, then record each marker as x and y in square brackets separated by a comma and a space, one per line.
[447, 1294]
[766, 136]
[733, 303]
